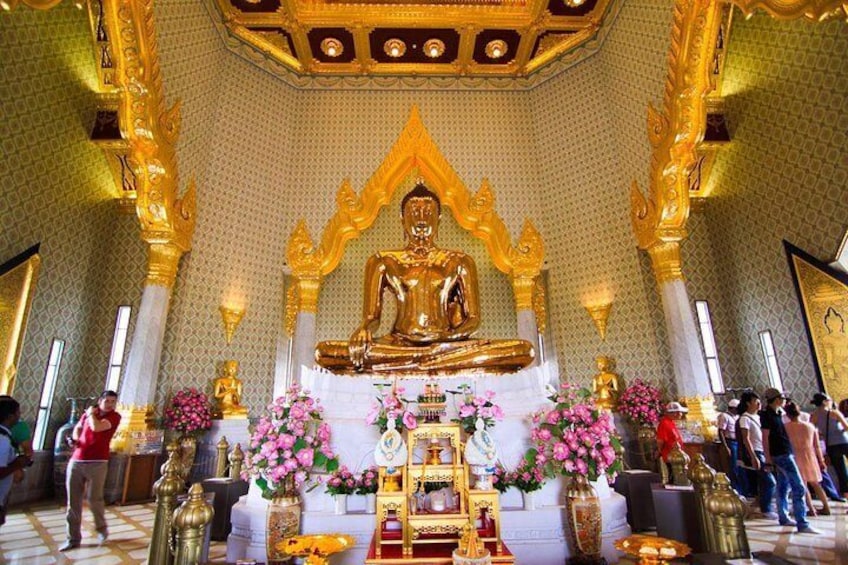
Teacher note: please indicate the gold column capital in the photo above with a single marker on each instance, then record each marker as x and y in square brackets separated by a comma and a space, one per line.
[522, 287]
[666, 261]
[308, 291]
[162, 264]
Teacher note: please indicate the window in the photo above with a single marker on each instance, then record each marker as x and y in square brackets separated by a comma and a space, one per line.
[709, 343]
[46, 403]
[119, 343]
[771, 360]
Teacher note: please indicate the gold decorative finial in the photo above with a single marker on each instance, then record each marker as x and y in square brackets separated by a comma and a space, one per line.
[599, 314]
[232, 317]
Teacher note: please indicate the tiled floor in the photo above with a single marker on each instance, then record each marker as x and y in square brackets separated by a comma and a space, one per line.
[129, 537]
[130, 526]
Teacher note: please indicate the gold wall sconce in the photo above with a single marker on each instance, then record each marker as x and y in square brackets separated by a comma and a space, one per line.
[599, 314]
[232, 316]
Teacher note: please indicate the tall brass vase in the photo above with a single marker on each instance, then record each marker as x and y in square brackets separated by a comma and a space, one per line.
[283, 522]
[647, 437]
[187, 454]
[583, 508]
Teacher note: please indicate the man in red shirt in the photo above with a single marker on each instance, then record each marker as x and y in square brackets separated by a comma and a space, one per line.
[88, 464]
[667, 433]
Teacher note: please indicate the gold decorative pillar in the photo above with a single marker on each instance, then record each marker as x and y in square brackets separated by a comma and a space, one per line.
[166, 489]
[236, 461]
[190, 521]
[679, 462]
[221, 458]
[702, 476]
[728, 513]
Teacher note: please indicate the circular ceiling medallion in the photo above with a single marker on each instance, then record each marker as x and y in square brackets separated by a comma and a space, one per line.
[573, 3]
[394, 48]
[496, 48]
[434, 48]
[331, 47]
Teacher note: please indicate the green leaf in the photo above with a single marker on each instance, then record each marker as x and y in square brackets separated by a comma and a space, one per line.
[332, 464]
[298, 445]
[530, 456]
[320, 460]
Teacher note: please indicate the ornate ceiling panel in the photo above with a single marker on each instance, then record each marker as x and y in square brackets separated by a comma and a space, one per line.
[461, 38]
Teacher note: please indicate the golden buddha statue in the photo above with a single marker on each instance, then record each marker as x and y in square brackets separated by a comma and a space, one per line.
[227, 392]
[437, 308]
[606, 385]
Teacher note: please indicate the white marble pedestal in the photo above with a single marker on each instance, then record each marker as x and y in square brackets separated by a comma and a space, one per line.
[535, 537]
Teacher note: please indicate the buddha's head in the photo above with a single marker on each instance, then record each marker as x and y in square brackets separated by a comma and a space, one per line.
[420, 211]
[230, 368]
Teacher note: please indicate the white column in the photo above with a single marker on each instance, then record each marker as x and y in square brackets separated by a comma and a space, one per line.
[303, 348]
[138, 388]
[690, 370]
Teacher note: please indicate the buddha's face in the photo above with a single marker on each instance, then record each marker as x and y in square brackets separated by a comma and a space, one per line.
[421, 218]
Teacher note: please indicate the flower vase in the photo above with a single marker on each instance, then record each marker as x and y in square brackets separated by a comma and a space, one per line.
[340, 502]
[583, 510]
[647, 437]
[371, 503]
[529, 500]
[187, 451]
[282, 522]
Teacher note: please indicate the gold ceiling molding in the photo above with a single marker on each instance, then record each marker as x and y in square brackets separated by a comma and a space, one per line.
[414, 151]
[151, 131]
[285, 32]
[659, 221]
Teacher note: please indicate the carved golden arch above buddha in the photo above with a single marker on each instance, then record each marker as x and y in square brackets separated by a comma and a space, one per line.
[414, 151]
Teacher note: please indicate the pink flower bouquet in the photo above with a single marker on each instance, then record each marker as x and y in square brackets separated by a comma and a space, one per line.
[501, 478]
[528, 476]
[341, 481]
[367, 482]
[642, 403]
[391, 405]
[575, 437]
[188, 412]
[288, 443]
[474, 407]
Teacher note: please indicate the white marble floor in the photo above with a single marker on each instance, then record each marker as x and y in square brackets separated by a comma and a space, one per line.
[32, 536]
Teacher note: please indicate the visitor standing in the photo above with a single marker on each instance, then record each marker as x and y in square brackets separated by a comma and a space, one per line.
[726, 423]
[10, 461]
[752, 455]
[667, 433]
[779, 453]
[833, 430]
[88, 464]
[804, 438]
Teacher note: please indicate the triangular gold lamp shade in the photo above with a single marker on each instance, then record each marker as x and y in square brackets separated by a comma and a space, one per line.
[232, 317]
[599, 314]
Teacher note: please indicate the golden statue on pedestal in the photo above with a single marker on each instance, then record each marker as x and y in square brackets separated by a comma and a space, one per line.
[437, 308]
[227, 392]
[606, 385]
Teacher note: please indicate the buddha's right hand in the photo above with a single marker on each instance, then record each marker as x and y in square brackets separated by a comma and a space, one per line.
[358, 347]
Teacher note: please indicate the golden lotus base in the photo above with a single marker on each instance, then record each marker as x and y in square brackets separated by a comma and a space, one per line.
[429, 554]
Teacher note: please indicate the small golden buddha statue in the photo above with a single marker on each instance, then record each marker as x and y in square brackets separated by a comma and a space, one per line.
[606, 385]
[227, 391]
[437, 308]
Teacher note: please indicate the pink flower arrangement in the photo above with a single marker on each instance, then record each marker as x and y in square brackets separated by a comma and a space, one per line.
[341, 481]
[288, 443]
[367, 482]
[474, 407]
[501, 478]
[188, 412]
[642, 403]
[391, 405]
[575, 437]
[528, 476]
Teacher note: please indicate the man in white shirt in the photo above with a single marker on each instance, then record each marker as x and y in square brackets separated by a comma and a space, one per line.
[726, 423]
